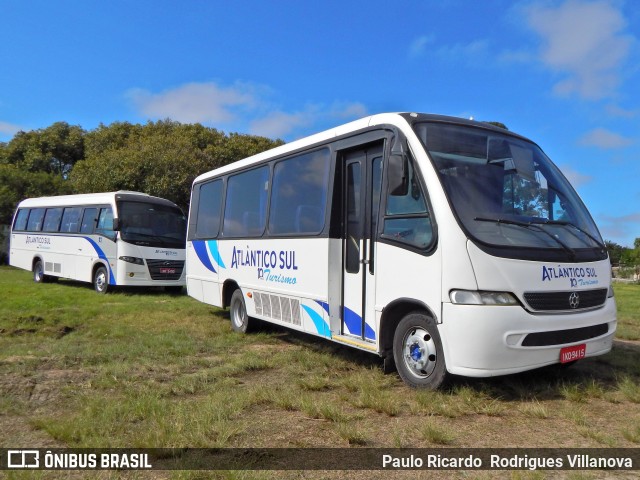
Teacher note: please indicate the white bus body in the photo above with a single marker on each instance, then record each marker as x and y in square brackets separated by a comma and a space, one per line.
[443, 245]
[116, 238]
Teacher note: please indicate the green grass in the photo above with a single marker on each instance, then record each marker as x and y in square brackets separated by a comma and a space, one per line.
[628, 301]
[147, 369]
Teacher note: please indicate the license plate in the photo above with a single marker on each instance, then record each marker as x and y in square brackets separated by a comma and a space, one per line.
[167, 270]
[571, 354]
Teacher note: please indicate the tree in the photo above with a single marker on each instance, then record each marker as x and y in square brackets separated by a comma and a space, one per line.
[55, 149]
[16, 185]
[615, 251]
[160, 158]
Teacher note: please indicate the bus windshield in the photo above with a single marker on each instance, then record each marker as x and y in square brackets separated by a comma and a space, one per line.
[506, 192]
[152, 224]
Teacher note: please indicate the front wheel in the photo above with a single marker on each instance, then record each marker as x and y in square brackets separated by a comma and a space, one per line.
[417, 351]
[101, 280]
[238, 312]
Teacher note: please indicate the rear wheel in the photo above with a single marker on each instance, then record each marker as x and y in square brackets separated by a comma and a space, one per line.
[101, 280]
[240, 321]
[417, 351]
[38, 273]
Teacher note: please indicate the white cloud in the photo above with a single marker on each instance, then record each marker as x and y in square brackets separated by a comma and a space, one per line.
[9, 129]
[622, 229]
[603, 138]
[280, 124]
[616, 111]
[474, 52]
[576, 178]
[585, 41]
[418, 46]
[245, 107]
[195, 102]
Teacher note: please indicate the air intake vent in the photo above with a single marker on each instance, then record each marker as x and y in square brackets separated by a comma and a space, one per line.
[566, 301]
[283, 309]
[165, 269]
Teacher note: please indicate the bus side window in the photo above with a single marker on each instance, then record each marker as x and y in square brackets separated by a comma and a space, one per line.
[52, 220]
[105, 223]
[246, 203]
[406, 218]
[89, 220]
[71, 219]
[21, 219]
[35, 220]
[209, 209]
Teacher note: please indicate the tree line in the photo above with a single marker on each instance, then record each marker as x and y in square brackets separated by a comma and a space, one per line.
[159, 158]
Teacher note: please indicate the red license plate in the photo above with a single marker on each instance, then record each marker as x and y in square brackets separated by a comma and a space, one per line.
[571, 354]
[167, 270]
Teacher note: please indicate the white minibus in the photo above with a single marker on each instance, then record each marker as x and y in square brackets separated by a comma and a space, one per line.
[442, 245]
[108, 239]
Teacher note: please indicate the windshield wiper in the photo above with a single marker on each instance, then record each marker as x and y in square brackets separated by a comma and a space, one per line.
[569, 224]
[566, 248]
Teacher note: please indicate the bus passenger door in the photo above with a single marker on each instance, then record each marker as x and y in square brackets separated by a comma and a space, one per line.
[362, 184]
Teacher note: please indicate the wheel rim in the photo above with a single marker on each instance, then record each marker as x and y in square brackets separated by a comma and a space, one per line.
[101, 281]
[419, 352]
[38, 273]
[238, 314]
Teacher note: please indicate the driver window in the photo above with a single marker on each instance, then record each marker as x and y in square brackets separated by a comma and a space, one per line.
[407, 219]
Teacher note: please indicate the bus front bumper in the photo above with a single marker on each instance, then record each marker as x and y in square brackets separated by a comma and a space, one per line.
[484, 341]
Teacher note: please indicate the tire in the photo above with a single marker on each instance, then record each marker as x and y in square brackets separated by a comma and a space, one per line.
[240, 321]
[417, 351]
[101, 280]
[38, 273]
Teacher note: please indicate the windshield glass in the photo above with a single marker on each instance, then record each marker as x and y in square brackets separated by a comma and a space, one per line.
[506, 191]
[152, 224]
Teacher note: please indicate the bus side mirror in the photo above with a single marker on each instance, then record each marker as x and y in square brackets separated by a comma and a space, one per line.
[397, 173]
[116, 224]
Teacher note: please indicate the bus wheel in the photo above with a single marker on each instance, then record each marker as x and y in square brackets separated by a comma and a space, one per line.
[417, 351]
[38, 273]
[101, 280]
[238, 311]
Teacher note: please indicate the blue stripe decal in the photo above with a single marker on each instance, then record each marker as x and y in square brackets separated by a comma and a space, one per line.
[354, 324]
[101, 254]
[320, 324]
[201, 250]
[324, 305]
[215, 253]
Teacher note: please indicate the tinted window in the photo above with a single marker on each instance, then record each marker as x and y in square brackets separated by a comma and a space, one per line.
[89, 220]
[246, 204]
[35, 220]
[407, 219]
[21, 219]
[299, 194]
[52, 219]
[71, 219]
[105, 223]
[209, 209]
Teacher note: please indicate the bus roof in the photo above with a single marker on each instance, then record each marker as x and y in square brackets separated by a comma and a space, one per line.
[398, 119]
[90, 199]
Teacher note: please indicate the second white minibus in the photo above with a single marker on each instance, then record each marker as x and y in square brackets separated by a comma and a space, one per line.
[116, 238]
[441, 244]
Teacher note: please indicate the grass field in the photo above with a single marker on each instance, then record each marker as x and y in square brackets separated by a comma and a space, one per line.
[148, 369]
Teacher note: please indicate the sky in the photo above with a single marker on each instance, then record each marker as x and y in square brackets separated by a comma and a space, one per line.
[564, 73]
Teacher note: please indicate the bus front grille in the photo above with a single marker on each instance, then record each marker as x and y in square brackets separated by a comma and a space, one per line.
[561, 337]
[566, 301]
[165, 269]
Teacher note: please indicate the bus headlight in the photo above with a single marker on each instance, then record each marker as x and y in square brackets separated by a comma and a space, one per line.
[611, 294]
[471, 297]
[136, 260]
